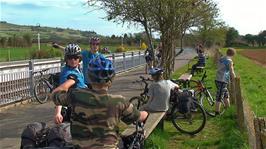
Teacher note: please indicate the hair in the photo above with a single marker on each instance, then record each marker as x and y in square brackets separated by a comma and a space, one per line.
[230, 52]
[157, 77]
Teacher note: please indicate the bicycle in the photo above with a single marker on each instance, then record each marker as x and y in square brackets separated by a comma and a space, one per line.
[191, 121]
[137, 101]
[45, 85]
[135, 140]
[204, 95]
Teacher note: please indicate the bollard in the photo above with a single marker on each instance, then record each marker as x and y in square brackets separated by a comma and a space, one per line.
[31, 77]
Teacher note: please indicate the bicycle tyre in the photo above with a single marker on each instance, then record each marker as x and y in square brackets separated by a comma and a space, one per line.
[208, 103]
[137, 101]
[41, 91]
[186, 126]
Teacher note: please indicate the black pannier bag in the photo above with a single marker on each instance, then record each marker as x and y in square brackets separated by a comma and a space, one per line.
[184, 100]
[38, 136]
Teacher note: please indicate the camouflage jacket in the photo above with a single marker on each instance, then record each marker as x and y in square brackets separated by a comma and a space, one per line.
[95, 116]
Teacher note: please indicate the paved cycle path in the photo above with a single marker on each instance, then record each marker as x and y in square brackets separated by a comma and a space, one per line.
[14, 120]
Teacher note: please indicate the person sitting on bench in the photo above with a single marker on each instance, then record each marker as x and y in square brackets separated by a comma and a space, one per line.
[200, 63]
[159, 92]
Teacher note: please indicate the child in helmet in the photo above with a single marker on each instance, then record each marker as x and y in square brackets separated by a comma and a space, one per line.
[159, 92]
[95, 113]
[71, 75]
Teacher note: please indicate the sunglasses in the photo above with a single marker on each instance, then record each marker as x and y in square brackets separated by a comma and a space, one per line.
[73, 57]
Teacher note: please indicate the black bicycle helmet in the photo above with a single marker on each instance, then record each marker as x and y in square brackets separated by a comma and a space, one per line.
[72, 49]
[155, 71]
[100, 70]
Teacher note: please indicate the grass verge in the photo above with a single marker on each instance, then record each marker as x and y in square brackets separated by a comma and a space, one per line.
[219, 133]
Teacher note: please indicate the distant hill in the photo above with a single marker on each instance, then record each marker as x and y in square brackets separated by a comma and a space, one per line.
[48, 34]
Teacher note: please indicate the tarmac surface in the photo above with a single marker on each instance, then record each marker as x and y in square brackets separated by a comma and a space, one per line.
[14, 120]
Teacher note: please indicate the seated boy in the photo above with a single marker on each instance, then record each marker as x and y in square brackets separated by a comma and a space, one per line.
[159, 92]
[95, 113]
[70, 77]
[201, 61]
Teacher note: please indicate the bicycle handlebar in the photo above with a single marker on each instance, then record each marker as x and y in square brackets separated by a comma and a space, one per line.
[41, 71]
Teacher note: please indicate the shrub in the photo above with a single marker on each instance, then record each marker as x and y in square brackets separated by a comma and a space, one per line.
[121, 49]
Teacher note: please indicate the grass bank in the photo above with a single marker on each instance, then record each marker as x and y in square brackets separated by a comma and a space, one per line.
[219, 133]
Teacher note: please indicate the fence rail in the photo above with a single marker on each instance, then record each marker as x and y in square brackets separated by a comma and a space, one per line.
[17, 79]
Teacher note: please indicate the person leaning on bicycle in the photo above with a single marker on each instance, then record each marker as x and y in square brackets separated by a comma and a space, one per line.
[225, 71]
[96, 114]
[70, 77]
[159, 91]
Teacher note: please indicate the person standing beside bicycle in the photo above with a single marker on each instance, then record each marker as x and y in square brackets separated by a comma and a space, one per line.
[159, 92]
[96, 114]
[70, 77]
[225, 72]
[149, 57]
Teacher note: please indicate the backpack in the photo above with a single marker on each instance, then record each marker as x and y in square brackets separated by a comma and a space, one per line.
[38, 135]
[184, 100]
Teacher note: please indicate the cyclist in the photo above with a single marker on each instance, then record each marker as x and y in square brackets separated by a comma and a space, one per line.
[159, 54]
[96, 114]
[225, 71]
[159, 91]
[105, 50]
[201, 61]
[70, 77]
[89, 55]
[149, 55]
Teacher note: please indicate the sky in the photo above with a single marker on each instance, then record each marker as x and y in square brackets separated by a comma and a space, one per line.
[246, 16]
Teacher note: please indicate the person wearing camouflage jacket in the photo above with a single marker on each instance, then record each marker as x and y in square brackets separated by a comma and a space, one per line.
[95, 113]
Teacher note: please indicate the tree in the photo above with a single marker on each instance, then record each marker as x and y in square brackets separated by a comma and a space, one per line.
[261, 38]
[171, 18]
[231, 36]
[250, 39]
[3, 41]
[28, 39]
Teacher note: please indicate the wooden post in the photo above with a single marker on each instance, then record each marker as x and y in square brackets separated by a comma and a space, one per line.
[257, 126]
[232, 91]
[239, 104]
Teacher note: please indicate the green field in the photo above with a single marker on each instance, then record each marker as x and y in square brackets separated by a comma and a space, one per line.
[15, 53]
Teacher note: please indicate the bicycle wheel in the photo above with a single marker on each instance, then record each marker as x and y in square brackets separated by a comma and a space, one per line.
[191, 122]
[137, 101]
[41, 91]
[207, 103]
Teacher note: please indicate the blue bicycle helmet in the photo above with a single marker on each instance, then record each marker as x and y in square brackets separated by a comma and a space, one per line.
[100, 70]
[155, 71]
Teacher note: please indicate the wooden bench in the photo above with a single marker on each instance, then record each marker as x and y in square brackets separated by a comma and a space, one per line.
[185, 78]
[152, 121]
[199, 69]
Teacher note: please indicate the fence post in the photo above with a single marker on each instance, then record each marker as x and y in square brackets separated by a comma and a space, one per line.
[113, 59]
[239, 104]
[232, 91]
[139, 58]
[124, 61]
[259, 125]
[31, 71]
[132, 59]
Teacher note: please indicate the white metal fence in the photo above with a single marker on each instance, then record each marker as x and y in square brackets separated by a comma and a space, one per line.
[17, 79]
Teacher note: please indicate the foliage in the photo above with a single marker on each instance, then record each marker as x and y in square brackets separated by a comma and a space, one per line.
[143, 46]
[121, 49]
[169, 17]
[231, 36]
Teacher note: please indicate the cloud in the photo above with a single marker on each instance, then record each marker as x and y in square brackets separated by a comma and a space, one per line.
[66, 4]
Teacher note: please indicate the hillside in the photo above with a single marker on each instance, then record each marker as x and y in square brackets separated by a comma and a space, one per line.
[48, 34]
